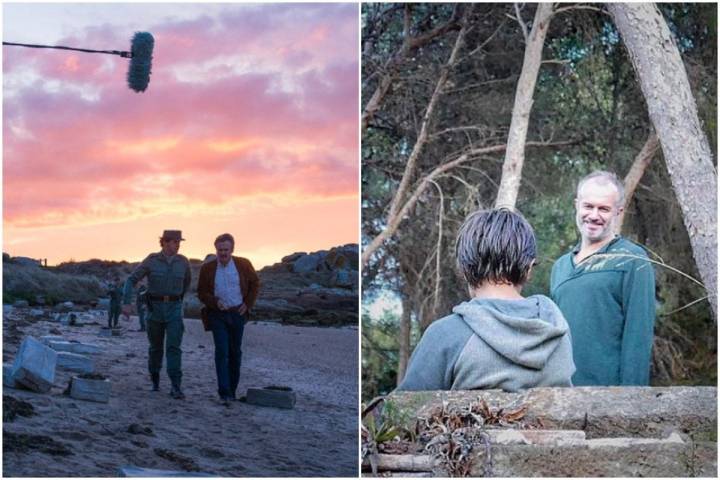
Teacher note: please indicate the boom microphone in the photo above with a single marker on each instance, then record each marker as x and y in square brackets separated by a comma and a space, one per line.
[140, 55]
[141, 48]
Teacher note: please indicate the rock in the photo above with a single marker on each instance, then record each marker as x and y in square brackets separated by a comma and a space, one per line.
[103, 303]
[40, 300]
[37, 312]
[117, 332]
[34, 366]
[90, 389]
[344, 279]
[75, 362]
[137, 429]
[74, 347]
[26, 261]
[21, 304]
[68, 304]
[105, 332]
[292, 257]
[7, 309]
[307, 263]
[279, 397]
[133, 471]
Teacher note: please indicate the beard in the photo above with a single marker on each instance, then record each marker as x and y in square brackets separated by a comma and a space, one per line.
[595, 232]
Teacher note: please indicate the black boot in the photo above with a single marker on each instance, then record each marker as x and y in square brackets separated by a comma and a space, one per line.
[155, 381]
[176, 392]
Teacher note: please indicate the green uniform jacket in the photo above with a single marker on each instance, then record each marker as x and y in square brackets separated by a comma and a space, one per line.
[609, 303]
[166, 276]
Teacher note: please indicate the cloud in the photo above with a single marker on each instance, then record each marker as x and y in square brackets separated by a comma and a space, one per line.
[259, 100]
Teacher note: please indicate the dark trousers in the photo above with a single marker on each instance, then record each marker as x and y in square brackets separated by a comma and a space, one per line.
[165, 326]
[227, 329]
[113, 315]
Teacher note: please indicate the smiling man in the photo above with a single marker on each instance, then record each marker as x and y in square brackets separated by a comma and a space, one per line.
[605, 287]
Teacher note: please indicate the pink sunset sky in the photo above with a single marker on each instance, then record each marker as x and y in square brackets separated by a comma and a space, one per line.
[249, 126]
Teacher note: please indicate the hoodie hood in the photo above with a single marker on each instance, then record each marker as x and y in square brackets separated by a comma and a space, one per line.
[525, 331]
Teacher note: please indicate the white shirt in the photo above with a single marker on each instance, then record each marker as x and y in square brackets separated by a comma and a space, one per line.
[227, 284]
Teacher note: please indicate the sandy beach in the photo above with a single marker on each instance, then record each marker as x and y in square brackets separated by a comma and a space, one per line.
[319, 437]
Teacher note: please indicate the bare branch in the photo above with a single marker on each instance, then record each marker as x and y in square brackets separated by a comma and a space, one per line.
[519, 19]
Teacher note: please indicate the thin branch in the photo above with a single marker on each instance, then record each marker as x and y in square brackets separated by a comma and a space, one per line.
[436, 300]
[519, 19]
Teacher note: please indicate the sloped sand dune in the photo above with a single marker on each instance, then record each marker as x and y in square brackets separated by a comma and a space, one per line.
[319, 437]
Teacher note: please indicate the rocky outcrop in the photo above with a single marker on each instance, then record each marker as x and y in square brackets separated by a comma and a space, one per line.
[316, 288]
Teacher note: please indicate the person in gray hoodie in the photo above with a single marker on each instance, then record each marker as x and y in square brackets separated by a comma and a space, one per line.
[498, 339]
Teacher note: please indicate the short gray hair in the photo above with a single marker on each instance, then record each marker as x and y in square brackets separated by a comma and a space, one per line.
[495, 246]
[605, 177]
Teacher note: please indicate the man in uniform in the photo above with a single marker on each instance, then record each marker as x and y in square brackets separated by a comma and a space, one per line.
[168, 279]
[605, 287]
[114, 292]
[140, 303]
[228, 286]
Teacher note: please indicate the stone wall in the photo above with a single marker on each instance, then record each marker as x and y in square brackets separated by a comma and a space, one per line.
[578, 432]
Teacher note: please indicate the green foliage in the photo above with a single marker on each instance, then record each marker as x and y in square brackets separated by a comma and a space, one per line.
[587, 92]
[379, 354]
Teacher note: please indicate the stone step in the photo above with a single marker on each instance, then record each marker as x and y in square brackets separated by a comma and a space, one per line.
[75, 362]
[34, 365]
[574, 457]
[90, 389]
[599, 411]
[271, 397]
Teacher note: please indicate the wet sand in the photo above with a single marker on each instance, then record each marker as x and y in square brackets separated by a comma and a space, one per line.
[319, 437]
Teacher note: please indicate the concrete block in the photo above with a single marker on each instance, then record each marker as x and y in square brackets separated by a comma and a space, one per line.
[75, 362]
[105, 332]
[8, 380]
[599, 411]
[606, 457]
[117, 332]
[94, 390]
[133, 471]
[279, 397]
[46, 339]
[34, 366]
[75, 347]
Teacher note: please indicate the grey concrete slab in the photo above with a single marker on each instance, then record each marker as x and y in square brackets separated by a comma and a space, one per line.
[34, 365]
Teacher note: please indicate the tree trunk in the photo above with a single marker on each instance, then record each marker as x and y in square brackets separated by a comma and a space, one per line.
[673, 112]
[404, 353]
[515, 153]
[637, 170]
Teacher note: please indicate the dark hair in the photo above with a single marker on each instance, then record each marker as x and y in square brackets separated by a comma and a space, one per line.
[497, 246]
[225, 237]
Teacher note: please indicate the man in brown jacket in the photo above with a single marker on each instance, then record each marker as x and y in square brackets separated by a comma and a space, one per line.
[229, 290]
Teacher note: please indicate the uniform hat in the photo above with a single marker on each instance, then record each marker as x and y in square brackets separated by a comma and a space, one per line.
[172, 235]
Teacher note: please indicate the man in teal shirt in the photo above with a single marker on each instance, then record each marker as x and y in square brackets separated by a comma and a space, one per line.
[605, 287]
[168, 279]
